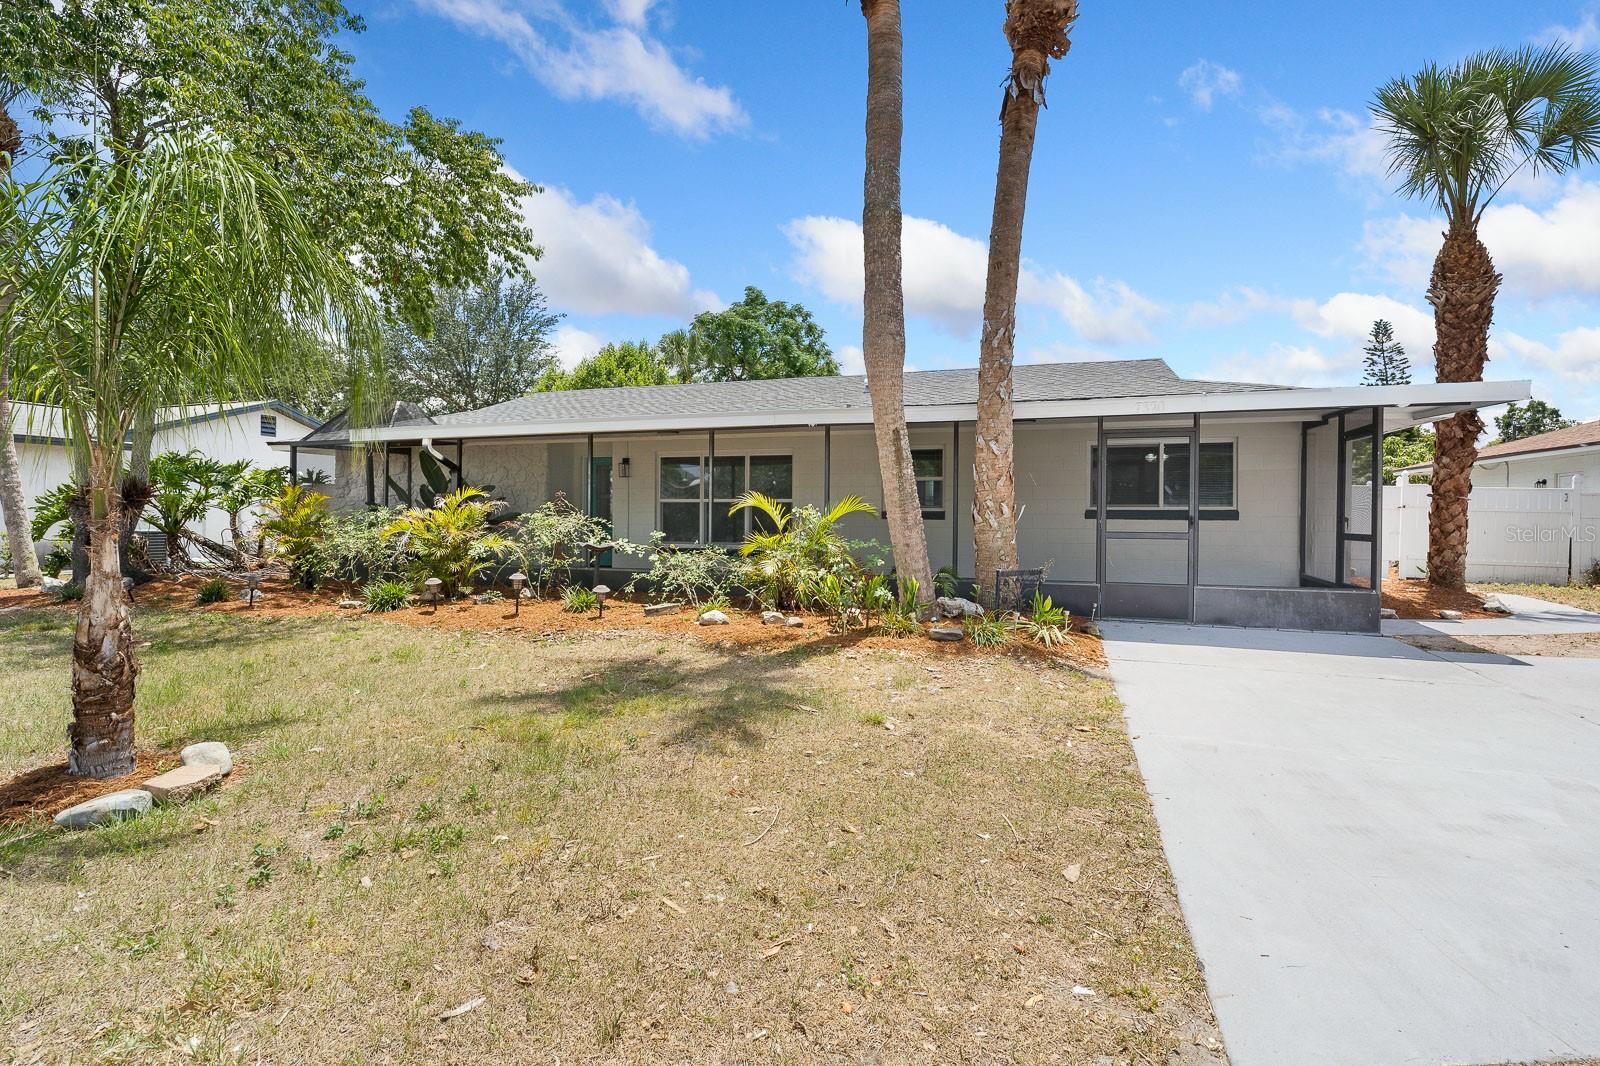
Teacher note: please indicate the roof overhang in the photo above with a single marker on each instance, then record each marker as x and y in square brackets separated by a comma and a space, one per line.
[1405, 406]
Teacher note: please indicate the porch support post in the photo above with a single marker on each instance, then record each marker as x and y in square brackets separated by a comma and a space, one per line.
[294, 465]
[461, 464]
[827, 467]
[372, 488]
[1305, 428]
[411, 488]
[1194, 511]
[386, 477]
[1340, 520]
[1100, 509]
[1376, 527]
[711, 483]
[953, 479]
[588, 479]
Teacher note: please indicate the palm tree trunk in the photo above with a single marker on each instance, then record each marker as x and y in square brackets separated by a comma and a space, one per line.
[104, 667]
[994, 496]
[1462, 292]
[12, 506]
[883, 341]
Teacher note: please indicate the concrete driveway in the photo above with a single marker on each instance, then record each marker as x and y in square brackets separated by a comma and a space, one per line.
[1385, 855]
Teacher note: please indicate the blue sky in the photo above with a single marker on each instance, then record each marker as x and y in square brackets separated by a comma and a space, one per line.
[1206, 186]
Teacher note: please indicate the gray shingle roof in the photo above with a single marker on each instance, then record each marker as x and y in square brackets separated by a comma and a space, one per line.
[925, 388]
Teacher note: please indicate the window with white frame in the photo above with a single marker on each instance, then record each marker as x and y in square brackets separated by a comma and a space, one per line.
[928, 466]
[685, 493]
[269, 425]
[1155, 475]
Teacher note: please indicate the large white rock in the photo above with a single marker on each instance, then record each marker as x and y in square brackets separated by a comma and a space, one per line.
[112, 807]
[713, 618]
[208, 751]
[773, 618]
[956, 607]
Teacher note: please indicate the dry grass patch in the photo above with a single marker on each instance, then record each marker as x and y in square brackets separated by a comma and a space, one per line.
[1583, 597]
[629, 847]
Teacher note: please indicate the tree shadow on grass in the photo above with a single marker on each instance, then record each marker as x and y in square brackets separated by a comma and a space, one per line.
[726, 701]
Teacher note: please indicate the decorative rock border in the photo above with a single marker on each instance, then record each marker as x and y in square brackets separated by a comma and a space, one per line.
[204, 765]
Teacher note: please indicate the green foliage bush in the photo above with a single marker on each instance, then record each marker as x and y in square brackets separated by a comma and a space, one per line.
[548, 543]
[70, 593]
[296, 526]
[386, 594]
[792, 552]
[452, 541]
[213, 591]
[683, 575]
[575, 599]
[1043, 622]
[353, 548]
[985, 632]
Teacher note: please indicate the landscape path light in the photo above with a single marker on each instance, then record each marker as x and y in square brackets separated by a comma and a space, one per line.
[518, 579]
[600, 594]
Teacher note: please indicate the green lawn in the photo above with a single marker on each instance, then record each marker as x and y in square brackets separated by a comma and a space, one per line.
[631, 848]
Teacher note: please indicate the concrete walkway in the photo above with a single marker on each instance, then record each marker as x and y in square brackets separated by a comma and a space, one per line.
[1385, 855]
[1532, 617]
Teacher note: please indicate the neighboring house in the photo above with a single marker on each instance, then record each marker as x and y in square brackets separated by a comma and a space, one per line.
[1147, 495]
[1551, 460]
[226, 433]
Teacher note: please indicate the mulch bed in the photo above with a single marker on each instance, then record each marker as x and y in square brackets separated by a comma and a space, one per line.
[48, 790]
[1415, 598]
[278, 598]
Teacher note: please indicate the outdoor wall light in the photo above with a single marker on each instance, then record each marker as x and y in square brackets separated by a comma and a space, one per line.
[600, 594]
[625, 468]
[517, 581]
[434, 595]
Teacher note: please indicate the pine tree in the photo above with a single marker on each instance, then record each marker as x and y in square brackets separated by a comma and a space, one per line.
[1386, 362]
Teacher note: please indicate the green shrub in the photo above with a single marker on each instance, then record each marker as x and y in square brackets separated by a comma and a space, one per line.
[70, 593]
[452, 541]
[1044, 622]
[1591, 576]
[213, 591]
[946, 582]
[385, 595]
[59, 559]
[575, 599]
[791, 551]
[985, 632]
[548, 543]
[353, 548]
[297, 521]
[719, 602]
[688, 575]
[902, 616]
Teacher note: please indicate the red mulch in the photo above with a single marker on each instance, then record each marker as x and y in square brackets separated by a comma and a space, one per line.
[49, 790]
[279, 599]
[1415, 598]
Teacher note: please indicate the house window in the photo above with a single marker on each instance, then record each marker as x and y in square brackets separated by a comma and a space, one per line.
[269, 425]
[1156, 475]
[928, 465]
[684, 495]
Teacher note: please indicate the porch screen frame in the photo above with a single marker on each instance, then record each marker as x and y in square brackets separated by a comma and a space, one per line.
[1343, 538]
[1141, 592]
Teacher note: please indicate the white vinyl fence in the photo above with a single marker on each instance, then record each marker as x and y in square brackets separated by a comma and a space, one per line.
[1544, 535]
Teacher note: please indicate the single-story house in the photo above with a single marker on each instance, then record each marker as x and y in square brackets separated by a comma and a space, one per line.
[226, 433]
[1561, 459]
[1147, 495]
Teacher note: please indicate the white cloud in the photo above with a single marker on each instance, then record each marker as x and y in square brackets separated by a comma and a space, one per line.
[1338, 138]
[573, 345]
[598, 259]
[1585, 34]
[1541, 252]
[1205, 81]
[1575, 355]
[945, 273]
[621, 61]
[852, 360]
[1285, 364]
[1348, 317]
[1233, 306]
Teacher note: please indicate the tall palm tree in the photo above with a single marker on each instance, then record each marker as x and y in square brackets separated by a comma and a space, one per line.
[13, 508]
[182, 277]
[1457, 135]
[883, 339]
[1037, 31]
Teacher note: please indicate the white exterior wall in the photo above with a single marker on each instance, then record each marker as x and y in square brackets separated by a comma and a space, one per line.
[226, 439]
[1526, 473]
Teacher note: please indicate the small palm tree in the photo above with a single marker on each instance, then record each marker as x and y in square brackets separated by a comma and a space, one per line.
[452, 541]
[1457, 135]
[797, 548]
[182, 492]
[180, 275]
